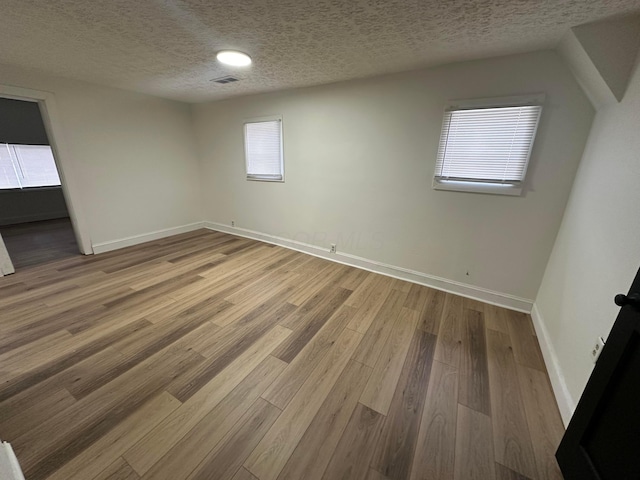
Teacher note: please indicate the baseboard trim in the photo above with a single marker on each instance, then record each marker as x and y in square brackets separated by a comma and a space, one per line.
[36, 217]
[145, 237]
[565, 402]
[462, 289]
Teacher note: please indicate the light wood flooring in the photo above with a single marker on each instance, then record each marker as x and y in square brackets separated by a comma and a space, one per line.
[36, 243]
[208, 356]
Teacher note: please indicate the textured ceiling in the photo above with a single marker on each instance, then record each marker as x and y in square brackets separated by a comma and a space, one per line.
[167, 47]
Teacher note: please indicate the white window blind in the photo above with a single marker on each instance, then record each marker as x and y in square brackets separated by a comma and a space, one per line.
[263, 150]
[8, 173]
[24, 166]
[487, 145]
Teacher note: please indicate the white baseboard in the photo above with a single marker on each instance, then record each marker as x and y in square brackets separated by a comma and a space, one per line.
[439, 283]
[565, 402]
[451, 286]
[145, 237]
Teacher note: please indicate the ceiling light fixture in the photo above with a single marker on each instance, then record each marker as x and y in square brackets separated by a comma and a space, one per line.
[233, 58]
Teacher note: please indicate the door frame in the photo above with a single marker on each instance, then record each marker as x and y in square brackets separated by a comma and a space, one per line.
[70, 183]
[6, 267]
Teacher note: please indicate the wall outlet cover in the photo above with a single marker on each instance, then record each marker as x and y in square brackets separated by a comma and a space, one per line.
[597, 349]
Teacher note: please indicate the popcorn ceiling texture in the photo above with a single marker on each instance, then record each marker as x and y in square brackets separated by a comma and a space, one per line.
[167, 47]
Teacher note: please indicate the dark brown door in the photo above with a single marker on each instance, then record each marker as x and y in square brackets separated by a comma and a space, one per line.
[602, 440]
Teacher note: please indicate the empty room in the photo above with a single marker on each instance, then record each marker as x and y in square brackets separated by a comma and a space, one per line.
[291, 240]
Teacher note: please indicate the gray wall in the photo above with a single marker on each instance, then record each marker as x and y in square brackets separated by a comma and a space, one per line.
[21, 123]
[31, 205]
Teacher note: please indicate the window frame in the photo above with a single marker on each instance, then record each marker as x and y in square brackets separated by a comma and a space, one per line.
[267, 118]
[488, 187]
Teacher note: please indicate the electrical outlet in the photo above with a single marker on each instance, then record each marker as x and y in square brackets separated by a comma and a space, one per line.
[597, 349]
[233, 223]
[333, 248]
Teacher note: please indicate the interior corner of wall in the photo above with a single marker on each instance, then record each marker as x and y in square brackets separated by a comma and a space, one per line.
[564, 399]
[584, 71]
[602, 56]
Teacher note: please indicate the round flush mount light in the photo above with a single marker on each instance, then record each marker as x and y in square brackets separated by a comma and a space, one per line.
[233, 58]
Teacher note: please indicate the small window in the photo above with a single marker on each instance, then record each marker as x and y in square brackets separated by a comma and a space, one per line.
[485, 145]
[263, 149]
[26, 166]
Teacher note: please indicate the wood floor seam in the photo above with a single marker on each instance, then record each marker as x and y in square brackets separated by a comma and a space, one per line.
[206, 356]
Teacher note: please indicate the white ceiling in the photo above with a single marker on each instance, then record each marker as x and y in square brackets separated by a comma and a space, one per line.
[167, 47]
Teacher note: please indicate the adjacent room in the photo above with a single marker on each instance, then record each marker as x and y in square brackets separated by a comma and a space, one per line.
[319, 240]
[34, 219]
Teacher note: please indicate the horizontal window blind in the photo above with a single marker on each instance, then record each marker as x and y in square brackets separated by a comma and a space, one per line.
[490, 145]
[8, 173]
[263, 150]
[24, 166]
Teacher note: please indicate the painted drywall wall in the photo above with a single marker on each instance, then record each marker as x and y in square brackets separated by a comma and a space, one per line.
[132, 156]
[586, 73]
[31, 205]
[602, 55]
[21, 123]
[596, 254]
[612, 46]
[359, 163]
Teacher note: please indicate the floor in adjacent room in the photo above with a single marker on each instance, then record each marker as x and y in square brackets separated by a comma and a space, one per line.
[36, 243]
[209, 356]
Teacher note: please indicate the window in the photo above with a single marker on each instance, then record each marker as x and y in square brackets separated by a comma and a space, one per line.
[263, 149]
[485, 145]
[24, 166]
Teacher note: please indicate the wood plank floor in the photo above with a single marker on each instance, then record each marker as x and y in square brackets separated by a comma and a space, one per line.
[36, 243]
[209, 356]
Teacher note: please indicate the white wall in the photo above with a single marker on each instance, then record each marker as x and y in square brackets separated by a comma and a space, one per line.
[596, 254]
[359, 161]
[132, 156]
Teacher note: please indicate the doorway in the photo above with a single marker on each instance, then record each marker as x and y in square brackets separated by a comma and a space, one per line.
[34, 218]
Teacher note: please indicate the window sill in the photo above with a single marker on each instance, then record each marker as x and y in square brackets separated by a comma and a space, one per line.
[31, 189]
[478, 187]
[265, 179]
